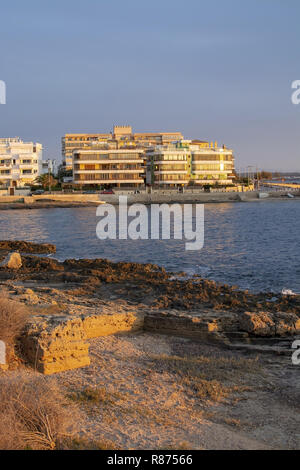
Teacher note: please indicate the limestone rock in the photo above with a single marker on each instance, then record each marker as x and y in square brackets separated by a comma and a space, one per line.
[26, 247]
[29, 297]
[12, 261]
[57, 343]
[207, 326]
[259, 324]
[286, 323]
[269, 324]
[103, 325]
[54, 344]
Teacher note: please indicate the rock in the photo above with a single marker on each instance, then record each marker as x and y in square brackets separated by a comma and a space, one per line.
[104, 325]
[286, 323]
[12, 261]
[269, 324]
[259, 324]
[207, 326]
[29, 297]
[55, 344]
[27, 247]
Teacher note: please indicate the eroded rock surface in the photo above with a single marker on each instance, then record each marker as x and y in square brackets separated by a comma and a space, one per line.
[27, 247]
[54, 344]
[12, 261]
[269, 323]
[57, 343]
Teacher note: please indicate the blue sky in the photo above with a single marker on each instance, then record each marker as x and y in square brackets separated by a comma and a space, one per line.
[218, 70]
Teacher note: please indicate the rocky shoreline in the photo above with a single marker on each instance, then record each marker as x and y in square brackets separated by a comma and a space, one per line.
[135, 345]
[118, 297]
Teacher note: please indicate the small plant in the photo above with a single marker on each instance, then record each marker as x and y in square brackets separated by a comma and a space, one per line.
[95, 396]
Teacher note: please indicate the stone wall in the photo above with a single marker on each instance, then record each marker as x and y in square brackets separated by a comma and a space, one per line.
[104, 325]
[209, 326]
[56, 343]
[53, 344]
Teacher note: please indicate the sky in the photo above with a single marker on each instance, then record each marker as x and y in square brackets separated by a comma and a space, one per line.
[217, 70]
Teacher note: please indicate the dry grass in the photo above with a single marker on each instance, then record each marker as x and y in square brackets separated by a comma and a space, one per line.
[95, 396]
[81, 443]
[34, 413]
[213, 378]
[13, 317]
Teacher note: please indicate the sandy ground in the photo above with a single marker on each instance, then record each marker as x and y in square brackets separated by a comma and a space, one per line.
[146, 406]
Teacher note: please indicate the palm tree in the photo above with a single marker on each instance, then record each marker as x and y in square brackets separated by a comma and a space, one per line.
[45, 180]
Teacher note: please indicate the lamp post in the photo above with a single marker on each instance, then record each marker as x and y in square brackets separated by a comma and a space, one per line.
[49, 186]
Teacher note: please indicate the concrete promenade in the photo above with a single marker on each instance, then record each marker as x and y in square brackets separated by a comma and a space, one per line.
[169, 197]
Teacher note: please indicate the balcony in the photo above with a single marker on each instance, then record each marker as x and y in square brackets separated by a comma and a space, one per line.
[110, 181]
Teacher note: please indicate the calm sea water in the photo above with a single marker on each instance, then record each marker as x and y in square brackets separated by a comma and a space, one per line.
[253, 245]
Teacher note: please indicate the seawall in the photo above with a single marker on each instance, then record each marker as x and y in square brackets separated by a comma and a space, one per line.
[168, 197]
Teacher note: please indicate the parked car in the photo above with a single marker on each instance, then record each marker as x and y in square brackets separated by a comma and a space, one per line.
[107, 191]
[37, 192]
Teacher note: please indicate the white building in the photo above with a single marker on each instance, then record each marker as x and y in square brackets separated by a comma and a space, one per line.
[20, 162]
[49, 166]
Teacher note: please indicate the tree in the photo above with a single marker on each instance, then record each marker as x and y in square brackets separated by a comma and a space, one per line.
[46, 180]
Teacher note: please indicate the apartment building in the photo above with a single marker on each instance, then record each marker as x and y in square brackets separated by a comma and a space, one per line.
[160, 138]
[109, 167]
[70, 142]
[20, 162]
[190, 163]
[120, 137]
[170, 160]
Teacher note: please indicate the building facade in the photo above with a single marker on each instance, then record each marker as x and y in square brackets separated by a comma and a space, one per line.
[121, 136]
[189, 163]
[165, 159]
[70, 142]
[20, 162]
[108, 167]
[49, 166]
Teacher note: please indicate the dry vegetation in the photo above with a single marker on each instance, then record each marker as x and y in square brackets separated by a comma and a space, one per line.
[34, 413]
[13, 317]
[95, 396]
[206, 377]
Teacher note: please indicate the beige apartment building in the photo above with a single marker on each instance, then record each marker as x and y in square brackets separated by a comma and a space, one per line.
[163, 159]
[120, 137]
[189, 163]
[70, 142]
[20, 162]
[109, 167]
